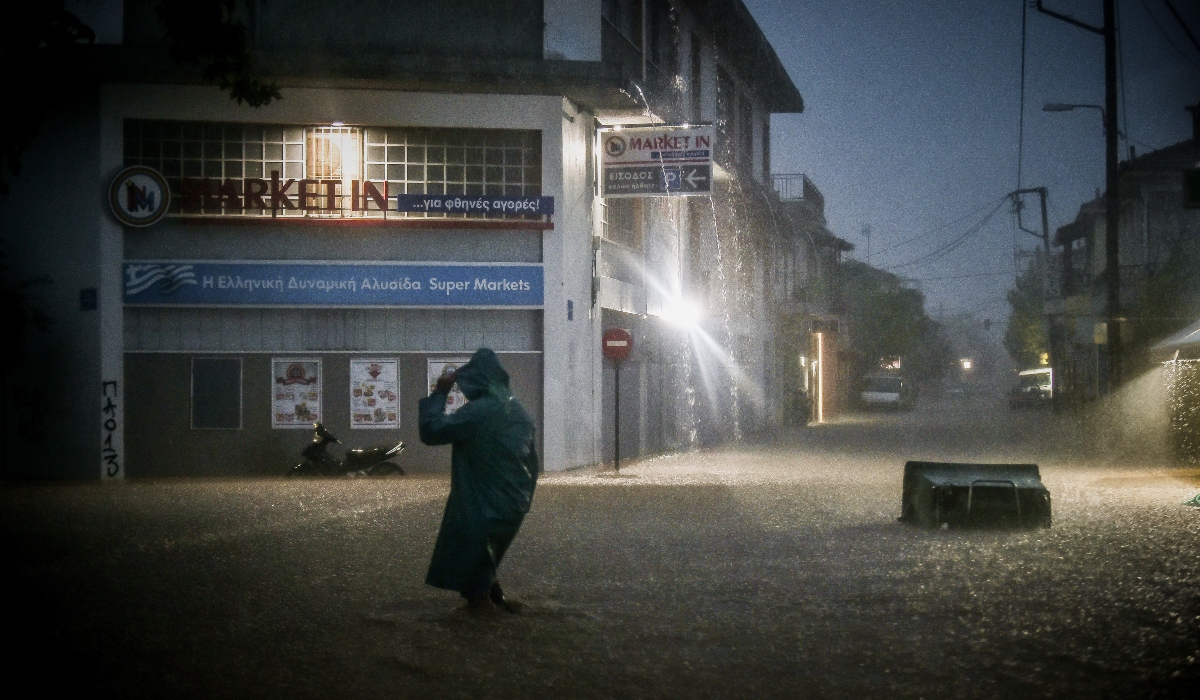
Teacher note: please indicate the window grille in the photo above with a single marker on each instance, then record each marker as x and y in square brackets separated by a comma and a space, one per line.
[395, 160]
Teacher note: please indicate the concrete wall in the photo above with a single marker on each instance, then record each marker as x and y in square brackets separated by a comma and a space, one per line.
[50, 222]
[570, 346]
[161, 441]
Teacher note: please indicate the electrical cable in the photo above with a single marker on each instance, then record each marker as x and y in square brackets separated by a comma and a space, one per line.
[953, 245]
[1120, 36]
[1186, 30]
[959, 277]
[932, 231]
[1021, 108]
[1167, 36]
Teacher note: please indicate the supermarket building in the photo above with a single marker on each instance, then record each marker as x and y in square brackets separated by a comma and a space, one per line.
[325, 256]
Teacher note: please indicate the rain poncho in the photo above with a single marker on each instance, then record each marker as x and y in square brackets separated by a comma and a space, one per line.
[493, 472]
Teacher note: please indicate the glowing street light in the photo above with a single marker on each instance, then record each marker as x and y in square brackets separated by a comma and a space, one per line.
[682, 313]
[965, 362]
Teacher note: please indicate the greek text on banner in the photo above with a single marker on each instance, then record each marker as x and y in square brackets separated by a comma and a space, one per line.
[207, 283]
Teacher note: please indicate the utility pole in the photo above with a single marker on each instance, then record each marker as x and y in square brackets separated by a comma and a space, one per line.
[1112, 198]
[867, 233]
[1041, 193]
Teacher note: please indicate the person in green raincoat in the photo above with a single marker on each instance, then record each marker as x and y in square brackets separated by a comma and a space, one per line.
[493, 473]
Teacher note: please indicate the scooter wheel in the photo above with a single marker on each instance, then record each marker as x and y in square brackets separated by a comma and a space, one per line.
[386, 469]
[301, 469]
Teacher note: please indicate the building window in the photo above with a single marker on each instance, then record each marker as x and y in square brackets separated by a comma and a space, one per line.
[232, 169]
[455, 161]
[745, 131]
[726, 100]
[623, 220]
[216, 393]
[626, 17]
[766, 148]
[662, 50]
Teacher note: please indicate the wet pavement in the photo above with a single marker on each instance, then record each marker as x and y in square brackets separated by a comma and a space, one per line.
[769, 571]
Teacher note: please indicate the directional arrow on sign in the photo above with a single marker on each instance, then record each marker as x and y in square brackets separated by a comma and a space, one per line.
[691, 179]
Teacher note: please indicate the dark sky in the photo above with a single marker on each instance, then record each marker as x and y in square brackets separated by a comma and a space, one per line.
[912, 115]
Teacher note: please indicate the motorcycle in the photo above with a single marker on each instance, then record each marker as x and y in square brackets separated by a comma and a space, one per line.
[372, 461]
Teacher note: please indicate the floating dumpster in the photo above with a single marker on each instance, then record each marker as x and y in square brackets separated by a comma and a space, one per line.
[959, 495]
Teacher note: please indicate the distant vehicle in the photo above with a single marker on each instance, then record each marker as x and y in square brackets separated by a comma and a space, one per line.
[887, 391]
[1034, 387]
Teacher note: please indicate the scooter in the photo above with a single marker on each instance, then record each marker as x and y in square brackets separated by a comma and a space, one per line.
[372, 461]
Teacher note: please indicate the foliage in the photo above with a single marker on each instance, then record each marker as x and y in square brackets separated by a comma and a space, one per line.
[1170, 300]
[39, 42]
[1025, 338]
[887, 318]
[213, 35]
[46, 58]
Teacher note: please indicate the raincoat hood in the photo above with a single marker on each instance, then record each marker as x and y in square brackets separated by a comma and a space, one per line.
[483, 375]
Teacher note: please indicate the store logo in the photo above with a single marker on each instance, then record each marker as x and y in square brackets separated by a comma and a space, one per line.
[139, 196]
[614, 146]
[295, 374]
[139, 278]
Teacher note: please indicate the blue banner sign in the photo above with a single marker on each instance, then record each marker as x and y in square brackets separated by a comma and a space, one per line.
[481, 204]
[193, 283]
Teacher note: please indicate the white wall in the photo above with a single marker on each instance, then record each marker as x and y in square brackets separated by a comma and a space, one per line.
[570, 349]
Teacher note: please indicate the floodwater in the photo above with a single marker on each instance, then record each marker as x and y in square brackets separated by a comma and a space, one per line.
[776, 570]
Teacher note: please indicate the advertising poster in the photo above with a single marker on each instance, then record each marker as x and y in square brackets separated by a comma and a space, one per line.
[374, 394]
[441, 366]
[296, 384]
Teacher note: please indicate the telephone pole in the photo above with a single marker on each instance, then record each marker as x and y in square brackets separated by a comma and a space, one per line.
[1112, 200]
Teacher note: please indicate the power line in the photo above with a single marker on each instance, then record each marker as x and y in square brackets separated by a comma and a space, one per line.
[1021, 119]
[1167, 36]
[932, 231]
[950, 247]
[1175, 14]
[960, 277]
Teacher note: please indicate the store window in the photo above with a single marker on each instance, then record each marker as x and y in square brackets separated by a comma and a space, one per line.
[323, 171]
[216, 393]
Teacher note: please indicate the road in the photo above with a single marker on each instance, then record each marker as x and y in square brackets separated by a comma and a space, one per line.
[774, 570]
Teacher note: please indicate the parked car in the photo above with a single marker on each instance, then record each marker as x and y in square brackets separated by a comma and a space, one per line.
[1034, 387]
[887, 391]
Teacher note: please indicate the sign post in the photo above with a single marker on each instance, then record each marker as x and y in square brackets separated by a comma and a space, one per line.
[616, 344]
[657, 161]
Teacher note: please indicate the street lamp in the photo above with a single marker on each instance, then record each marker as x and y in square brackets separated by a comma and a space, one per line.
[1068, 106]
[1112, 198]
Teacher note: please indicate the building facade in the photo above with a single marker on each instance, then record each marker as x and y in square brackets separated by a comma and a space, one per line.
[425, 187]
[1158, 257]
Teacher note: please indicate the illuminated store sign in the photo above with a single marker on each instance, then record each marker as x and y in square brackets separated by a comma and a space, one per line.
[198, 283]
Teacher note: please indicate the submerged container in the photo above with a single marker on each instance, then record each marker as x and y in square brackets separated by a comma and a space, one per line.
[957, 495]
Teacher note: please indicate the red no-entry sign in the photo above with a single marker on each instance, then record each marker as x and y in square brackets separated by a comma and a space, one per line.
[617, 343]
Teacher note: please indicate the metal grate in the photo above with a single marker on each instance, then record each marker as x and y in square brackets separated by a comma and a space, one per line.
[410, 160]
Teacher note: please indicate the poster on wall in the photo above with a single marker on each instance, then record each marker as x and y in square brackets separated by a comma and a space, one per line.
[296, 387]
[441, 366]
[374, 394]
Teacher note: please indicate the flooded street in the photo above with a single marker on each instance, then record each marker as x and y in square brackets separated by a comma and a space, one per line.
[770, 571]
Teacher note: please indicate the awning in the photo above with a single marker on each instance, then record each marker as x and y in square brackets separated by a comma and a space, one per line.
[1186, 342]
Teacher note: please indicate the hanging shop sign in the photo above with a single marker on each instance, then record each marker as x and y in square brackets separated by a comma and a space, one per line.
[296, 392]
[374, 394]
[139, 196]
[447, 365]
[463, 204]
[205, 283]
[659, 161]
